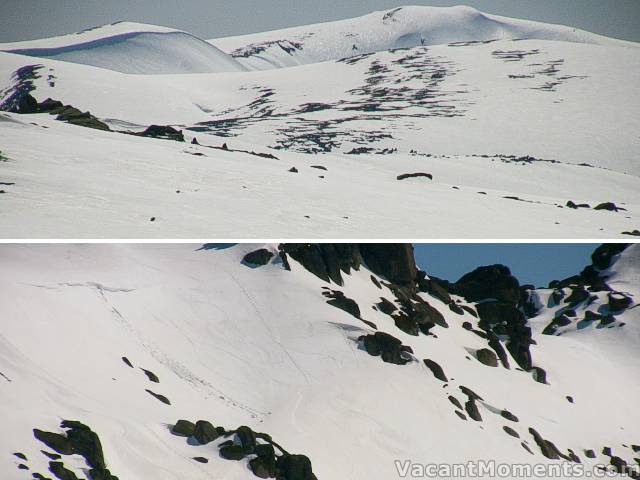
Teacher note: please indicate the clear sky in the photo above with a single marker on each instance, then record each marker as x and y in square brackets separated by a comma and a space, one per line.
[29, 19]
[536, 263]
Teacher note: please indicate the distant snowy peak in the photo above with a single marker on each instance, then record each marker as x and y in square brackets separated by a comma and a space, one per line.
[132, 48]
[401, 27]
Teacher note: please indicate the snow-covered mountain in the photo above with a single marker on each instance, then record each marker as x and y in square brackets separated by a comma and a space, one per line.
[402, 27]
[507, 129]
[129, 47]
[346, 357]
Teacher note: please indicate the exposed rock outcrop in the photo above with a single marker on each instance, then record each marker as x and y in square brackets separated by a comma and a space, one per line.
[386, 346]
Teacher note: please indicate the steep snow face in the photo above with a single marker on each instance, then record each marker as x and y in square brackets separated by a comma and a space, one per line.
[596, 315]
[624, 273]
[237, 344]
[402, 27]
[132, 48]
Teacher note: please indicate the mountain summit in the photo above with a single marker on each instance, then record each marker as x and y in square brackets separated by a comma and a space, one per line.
[402, 27]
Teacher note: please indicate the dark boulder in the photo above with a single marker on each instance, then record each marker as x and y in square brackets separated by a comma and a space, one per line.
[618, 301]
[610, 206]
[578, 294]
[618, 464]
[246, 438]
[592, 316]
[54, 441]
[184, 428]
[528, 301]
[457, 309]
[414, 175]
[547, 447]
[489, 282]
[126, 360]
[386, 346]
[469, 310]
[508, 415]
[539, 374]
[406, 324]
[434, 286]
[385, 306]
[511, 431]
[486, 356]
[158, 396]
[151, 376]
[101, 474]
[85, 442]
[49, 105]
[563, 319]
[472, 410]
[295, 467]
[602, 256]
[264, 466]
[26, 104]
[573, 205]
[260, 468]
[423, 313]
[74, 116]
[503, 318]
[436, 369]
[232, 452]
[496, 345]
[58, 469]
[164, 132]
[337, 299]
[557, 295]
[606, 320]
[205, 432]
[455, 401]
[258, 257]
[52, 456]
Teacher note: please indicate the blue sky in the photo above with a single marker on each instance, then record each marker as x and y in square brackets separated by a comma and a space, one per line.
[28, 19]
[535, 263]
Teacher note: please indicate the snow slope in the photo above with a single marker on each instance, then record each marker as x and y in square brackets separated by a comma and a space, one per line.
[131, 48]
[402, 27]
[260, 347]
[509, 131]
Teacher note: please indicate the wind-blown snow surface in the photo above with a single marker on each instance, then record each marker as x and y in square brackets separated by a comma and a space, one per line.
[509, 130]
[237, 345]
